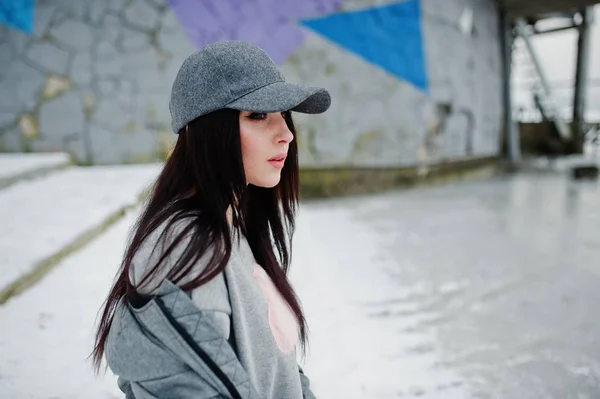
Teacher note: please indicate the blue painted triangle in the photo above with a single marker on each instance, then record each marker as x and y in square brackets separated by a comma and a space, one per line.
[388, 36]
[17, 14]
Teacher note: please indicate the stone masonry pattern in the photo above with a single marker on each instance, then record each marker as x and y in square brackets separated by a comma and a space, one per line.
[94, 78]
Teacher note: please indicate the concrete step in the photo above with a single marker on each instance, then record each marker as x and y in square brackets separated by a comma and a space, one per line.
[46, 218]
[15, 167]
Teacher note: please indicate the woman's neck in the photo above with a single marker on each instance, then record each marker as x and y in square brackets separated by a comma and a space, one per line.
[229, 215]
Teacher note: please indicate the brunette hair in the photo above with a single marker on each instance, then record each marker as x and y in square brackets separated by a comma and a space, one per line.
[201, 179]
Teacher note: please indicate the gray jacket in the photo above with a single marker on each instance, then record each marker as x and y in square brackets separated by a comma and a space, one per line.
[169, 348]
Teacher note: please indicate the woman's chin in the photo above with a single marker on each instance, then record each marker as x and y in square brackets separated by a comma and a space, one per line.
[267, 181]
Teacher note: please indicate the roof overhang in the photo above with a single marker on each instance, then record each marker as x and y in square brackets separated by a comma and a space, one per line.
[538, 9]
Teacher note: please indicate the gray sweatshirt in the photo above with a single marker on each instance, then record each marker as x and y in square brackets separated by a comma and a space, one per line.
[241, 313]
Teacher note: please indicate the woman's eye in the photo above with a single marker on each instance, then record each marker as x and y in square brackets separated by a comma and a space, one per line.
[257, 116]
[286, 114]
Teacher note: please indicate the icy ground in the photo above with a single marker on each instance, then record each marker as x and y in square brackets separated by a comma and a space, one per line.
[40, 216]
[483, 289]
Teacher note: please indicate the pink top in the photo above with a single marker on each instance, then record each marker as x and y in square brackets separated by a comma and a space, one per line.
[282, 321]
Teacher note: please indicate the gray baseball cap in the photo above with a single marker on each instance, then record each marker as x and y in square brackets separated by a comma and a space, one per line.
[237, 75]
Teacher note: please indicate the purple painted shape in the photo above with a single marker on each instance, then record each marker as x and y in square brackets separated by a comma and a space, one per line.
[283, 42]
[270, 24]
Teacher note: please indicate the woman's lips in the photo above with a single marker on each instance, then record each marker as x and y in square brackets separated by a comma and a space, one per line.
[278, 161]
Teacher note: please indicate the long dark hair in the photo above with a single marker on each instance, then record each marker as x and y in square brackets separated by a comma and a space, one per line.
[201, 179]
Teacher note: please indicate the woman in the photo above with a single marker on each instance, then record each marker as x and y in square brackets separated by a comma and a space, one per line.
[201, 306]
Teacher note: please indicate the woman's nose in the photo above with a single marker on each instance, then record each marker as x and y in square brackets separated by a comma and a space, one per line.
[285, 136]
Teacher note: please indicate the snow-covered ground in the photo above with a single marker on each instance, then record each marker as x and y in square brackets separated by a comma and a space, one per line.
[16, 164]
[41, 216]
[470, 290]
[353, 353]
[46, 333]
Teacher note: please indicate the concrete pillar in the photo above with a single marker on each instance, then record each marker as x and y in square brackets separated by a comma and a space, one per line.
[511, 129]
[581, 73]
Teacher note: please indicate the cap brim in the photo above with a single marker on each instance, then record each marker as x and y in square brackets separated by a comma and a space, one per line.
[284, 96]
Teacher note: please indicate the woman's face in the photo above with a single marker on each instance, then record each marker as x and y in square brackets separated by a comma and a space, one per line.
[265, 140]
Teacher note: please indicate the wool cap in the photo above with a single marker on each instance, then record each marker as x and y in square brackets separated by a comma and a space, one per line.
[238, 75]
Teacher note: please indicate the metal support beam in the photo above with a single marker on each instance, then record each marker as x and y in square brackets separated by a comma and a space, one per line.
[563, 129]
[581, 72]
[511, 130]
[541, 32]
[538, 103]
